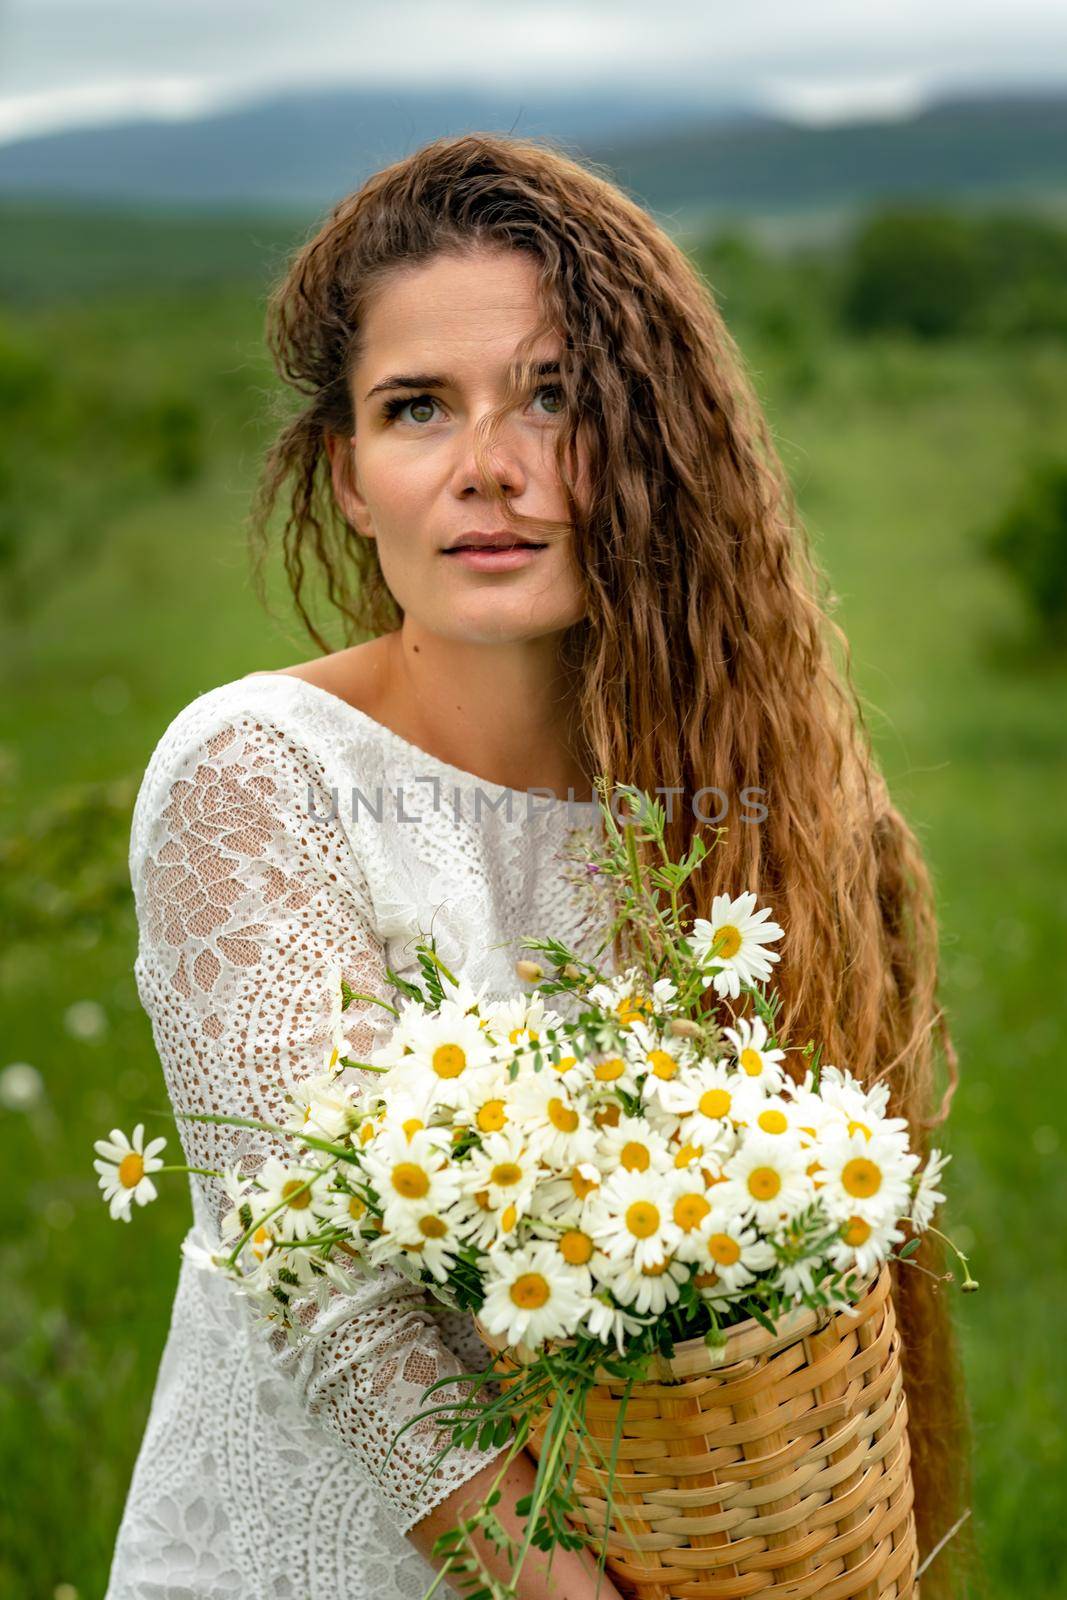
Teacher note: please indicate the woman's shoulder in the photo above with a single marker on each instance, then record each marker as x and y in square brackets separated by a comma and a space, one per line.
[269, 740]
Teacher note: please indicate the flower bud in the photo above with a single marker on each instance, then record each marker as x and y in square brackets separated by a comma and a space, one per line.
[570, 971]
[529, 971]
[683, 1028]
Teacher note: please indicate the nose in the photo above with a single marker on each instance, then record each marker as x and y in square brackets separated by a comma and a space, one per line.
[503, 464]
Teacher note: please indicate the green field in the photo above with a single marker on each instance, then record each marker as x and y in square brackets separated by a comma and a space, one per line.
[127, 594]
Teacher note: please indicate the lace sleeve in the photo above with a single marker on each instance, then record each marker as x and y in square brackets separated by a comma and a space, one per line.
[246, 893]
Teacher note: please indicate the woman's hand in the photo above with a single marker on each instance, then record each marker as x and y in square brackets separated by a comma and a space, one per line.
[574, 1573]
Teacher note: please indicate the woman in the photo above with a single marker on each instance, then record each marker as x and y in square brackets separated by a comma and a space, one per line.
[492, 344]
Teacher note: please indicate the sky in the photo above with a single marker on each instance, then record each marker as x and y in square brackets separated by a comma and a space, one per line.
[67, 63]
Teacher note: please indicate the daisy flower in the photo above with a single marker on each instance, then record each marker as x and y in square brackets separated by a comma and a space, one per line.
[865, 1177]
[488, 1107]
[563, 1199]
[501, 1177]
[660, 1060]
[559, 1130]
[123, 1171]
[531, 1295]
[769, 1179]
[777, 1117]
[863, 1244]
[754, 1059]
[711, 1100]
[740, 938]
[613, 1072]
[625, 998]
[410, 1171]
[430, 1238]
[927, 1195]
[634, 1146]
[448, 1049]
[692, 1208]
[343, 1209]
[632, 1215]
[323, 1108]
[290, 1188]
[649, 1288]
[518, 1024]
[731, 1251]
[849, 1109]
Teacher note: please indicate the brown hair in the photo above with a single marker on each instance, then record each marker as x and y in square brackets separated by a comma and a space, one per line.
[707, 648]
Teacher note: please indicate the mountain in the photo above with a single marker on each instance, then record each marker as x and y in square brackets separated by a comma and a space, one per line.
[306, 150]
[684, 159]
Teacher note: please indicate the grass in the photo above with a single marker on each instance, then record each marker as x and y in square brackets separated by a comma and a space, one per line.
[898, 453]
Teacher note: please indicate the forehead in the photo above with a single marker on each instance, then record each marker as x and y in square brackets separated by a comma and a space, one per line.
[465, 309]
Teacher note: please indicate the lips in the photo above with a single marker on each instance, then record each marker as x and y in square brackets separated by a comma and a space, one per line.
[492, 541]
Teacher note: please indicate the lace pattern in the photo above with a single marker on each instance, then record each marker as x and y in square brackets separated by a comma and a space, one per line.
[261, 1472]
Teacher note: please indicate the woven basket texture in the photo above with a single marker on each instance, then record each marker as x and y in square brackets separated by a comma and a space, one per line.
[782, 1471]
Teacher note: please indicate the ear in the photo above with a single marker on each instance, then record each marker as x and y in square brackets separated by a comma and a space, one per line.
[354, 508]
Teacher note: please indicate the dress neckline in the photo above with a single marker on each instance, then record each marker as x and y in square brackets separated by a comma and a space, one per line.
[551, 805]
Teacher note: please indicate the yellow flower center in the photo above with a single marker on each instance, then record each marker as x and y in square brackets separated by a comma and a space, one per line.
[433, 1227]
[763, 1183]
[608, 1071]
[772, 1121]
[366, 1133]
[723, 1249]
[658, 1270]
[491, 1116]
[449, 1060]
[530, 1291]
[607, 1116]
[686, 1154]
[505, 1173]
[356, 1207]
[856, 1232]
[576, 1247]
[562, 1117]
[295, 1195]
[131, 1170]
[859, 1127]
[516, 1034]
[751, 1062]
[642, 1219]
[565, 1063]
[861, 1177]
[663, 1064]
[411, 1127]
[715, 1102]
[633, 1008]
[635, 1157]
[728, 940]
[508, 1218]
[260, 1241]
[581, 1184]
[690, 1211]
[410, 1181]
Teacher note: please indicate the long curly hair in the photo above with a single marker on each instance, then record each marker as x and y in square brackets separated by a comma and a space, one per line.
[707, 655]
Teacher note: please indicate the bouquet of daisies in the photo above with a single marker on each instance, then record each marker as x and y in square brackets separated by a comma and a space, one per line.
[594, 1168]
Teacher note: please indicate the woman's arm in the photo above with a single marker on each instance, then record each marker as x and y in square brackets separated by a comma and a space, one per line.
[247, 893]
[573, 1574]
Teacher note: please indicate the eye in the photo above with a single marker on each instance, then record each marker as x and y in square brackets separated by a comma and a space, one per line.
[554, 390]
[396, 404]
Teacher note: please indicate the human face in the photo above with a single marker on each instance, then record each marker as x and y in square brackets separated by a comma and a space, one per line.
[407, 477]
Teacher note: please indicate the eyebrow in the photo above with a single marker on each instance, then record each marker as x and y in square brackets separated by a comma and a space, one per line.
[424, 380]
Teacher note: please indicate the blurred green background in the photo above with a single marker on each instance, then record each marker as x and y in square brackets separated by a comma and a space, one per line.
[914, 368]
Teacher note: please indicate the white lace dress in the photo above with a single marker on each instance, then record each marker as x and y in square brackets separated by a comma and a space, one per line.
[276, 829]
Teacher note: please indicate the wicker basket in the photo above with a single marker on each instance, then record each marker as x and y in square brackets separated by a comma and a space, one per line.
[782, 1471]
